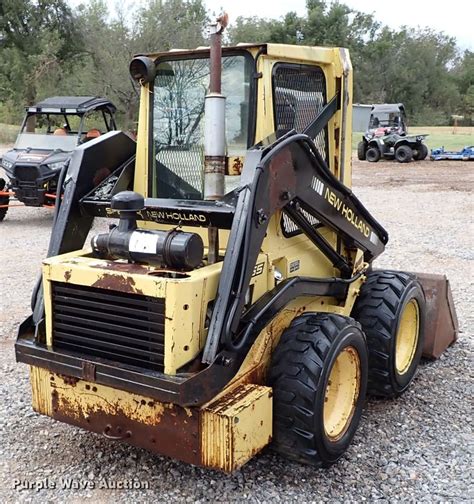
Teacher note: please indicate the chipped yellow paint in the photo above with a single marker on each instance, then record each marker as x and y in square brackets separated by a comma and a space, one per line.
[186, 299]
[41, 391]
[236, 427]
[231, 430]
[255, 365]
[83, 398]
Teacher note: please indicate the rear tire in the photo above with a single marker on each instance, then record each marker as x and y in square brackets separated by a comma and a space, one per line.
[404, 154]
[391, 310]
[4, 200]
[361, 151]
[421, 152]
[372, 155]
[319, 378]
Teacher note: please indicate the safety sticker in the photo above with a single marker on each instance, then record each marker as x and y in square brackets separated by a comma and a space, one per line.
[143, 242]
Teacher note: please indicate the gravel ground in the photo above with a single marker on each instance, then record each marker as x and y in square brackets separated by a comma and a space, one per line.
[415, 448]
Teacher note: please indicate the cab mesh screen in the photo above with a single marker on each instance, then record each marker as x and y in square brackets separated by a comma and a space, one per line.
[299, 93]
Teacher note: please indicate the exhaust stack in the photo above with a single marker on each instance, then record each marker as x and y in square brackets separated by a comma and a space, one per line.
[214, 132]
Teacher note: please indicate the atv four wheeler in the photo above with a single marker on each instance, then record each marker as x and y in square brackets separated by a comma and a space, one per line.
[51, 130]
[387, 137]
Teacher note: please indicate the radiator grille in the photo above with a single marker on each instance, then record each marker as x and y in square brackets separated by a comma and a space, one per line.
[112, 325]
[26, 173]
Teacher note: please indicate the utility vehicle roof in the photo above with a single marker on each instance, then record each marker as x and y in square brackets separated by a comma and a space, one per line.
[387, 107]
[71, 104]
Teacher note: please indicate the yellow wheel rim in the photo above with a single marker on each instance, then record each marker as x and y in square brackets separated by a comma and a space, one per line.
[342, 392]
[407, 337]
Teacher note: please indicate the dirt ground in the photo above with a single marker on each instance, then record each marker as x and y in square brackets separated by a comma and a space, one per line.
[415, 448]
[428, 175]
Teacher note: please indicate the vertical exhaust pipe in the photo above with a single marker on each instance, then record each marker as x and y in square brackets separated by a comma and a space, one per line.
[214, 131]
[214, 113]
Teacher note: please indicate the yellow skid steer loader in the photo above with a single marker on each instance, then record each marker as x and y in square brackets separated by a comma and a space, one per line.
[234, 305]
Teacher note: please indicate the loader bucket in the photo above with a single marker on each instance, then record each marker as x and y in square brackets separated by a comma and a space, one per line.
[441, 325]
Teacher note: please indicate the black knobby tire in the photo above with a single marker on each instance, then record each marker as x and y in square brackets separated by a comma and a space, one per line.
[361, 151]
[404, 154]
[380, 307]
[421, 152]
[4, 200]
[372, 155]
[299, 374]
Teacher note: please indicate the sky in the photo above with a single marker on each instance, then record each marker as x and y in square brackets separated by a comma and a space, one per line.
[453, 17]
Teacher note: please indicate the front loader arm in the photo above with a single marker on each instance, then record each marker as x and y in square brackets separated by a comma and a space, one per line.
[290, 175]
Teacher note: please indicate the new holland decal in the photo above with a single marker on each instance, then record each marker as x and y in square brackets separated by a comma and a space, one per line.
[333, 199]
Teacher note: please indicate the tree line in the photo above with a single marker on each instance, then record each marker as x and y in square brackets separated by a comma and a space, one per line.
[48, 48]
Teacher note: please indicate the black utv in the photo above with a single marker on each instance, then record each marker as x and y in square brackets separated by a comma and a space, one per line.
[387, 136]
[50, 131]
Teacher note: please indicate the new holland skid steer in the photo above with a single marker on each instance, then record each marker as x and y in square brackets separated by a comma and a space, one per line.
[234, 305]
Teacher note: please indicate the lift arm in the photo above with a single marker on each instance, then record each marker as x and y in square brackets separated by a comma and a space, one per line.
[290, 175]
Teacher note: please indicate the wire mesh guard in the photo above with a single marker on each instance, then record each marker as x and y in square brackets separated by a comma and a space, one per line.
[186, 162]
[299, 96]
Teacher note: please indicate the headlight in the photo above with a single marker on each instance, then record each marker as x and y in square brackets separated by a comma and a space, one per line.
[56, 166]
[6, 164]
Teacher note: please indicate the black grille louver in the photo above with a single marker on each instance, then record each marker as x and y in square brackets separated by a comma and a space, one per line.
[112, 325]
[26, 173]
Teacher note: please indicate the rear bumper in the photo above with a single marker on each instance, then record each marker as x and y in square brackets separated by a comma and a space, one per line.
[223, 435]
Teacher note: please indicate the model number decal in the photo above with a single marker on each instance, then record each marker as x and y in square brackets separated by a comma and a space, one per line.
[258, 270]
[294, 266]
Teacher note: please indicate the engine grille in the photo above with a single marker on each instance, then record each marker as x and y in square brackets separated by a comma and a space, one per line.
[112, 325]
[26, 173]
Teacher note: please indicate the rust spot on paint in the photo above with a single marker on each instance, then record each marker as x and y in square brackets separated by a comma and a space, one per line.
[117, 283]
[122, 267]
[69, 380]
[67, 275]
[237, 165]
[170, 430]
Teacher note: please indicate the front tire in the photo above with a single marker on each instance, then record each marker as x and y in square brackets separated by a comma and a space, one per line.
[372, 155]
[361, 148]
[391, 310]
[4, 200]
[319, 378]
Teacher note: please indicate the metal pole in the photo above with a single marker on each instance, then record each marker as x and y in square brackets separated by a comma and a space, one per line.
[214, 132]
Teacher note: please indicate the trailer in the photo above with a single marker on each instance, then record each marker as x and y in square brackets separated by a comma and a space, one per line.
[465, 154]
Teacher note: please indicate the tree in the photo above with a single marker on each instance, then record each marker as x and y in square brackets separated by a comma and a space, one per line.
[165, 24]
[36, 38]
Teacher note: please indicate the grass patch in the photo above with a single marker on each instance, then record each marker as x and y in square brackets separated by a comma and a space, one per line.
[8, 133]
[439, 136]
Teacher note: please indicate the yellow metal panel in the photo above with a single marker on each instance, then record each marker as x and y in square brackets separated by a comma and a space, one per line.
[41, 391]
[236, 427]
[140, 184]
[303, 54]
